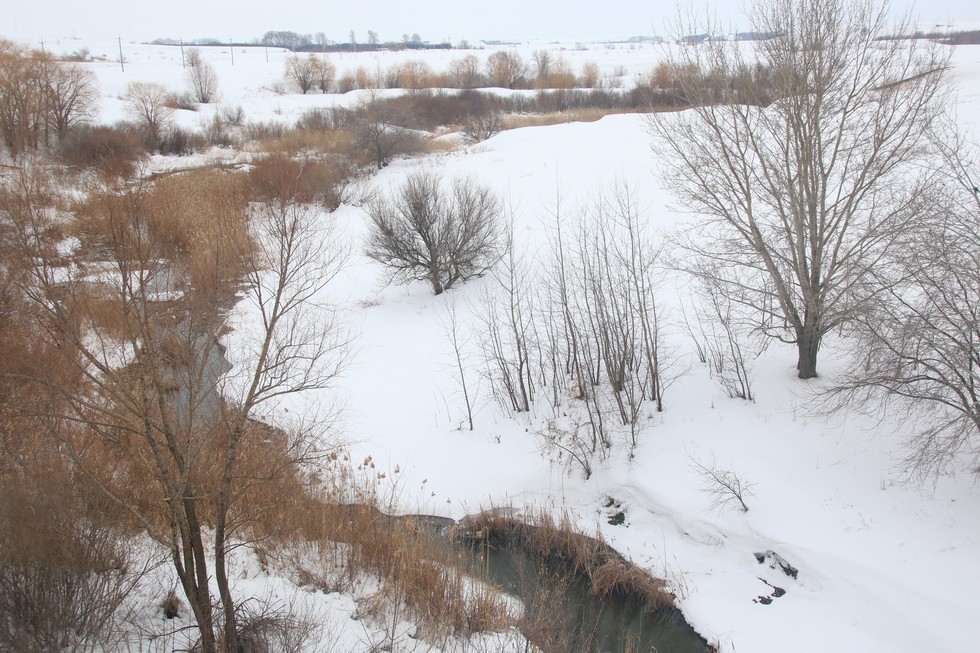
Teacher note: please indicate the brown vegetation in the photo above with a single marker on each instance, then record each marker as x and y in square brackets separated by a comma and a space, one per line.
[558, 542]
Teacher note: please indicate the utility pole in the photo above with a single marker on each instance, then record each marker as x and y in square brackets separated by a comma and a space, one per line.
[122, 66]
[183, 62]
[231, 46]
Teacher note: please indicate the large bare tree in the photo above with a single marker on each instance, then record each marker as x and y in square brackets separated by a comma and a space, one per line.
[801, 157]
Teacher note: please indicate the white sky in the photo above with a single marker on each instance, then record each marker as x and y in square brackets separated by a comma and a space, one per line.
[434, 20]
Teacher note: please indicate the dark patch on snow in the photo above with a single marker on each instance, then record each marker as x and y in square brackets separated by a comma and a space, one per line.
[776, 593]
[615, 513]
[776, 561]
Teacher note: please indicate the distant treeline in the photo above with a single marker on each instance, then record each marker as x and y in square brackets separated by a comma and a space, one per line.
[297, 42]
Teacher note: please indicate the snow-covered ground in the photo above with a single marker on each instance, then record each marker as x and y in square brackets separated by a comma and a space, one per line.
[882, 566]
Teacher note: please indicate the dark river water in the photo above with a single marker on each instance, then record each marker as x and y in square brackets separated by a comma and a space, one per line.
[571, 618]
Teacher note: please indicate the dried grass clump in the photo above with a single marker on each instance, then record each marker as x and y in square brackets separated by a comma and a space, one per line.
[557, 542]
[307, 180]
[339, 546]
[112, 150]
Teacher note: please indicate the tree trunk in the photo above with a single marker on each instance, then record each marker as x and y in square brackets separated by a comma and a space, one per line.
[807, 345]
[436, 279]
[195, 575]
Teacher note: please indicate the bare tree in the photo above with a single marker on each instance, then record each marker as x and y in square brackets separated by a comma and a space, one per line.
[466, 72]
[480, 126]
[414, 75]
[203, 80]
[22, 117]
[376, 132]
[148, 103]
[303, 71]
[143, 336]
[803, 197]
[590, 74]
[543, 62]
[427, 232]
[40, 97]
[919, 351]
[506, 69]
[459, 345]
[725, 486]
[326, 75]
[71, 95]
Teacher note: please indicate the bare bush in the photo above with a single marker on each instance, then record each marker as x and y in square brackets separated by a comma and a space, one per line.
[480, 127]
[727, 339]
[586, 337]
[459, 344]
[725, 486]
[148, 103]
[508, 335]
[378, 132]
[203, 81]
[425, 232]
[63, 573]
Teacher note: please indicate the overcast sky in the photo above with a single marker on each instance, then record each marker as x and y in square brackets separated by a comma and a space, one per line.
[433, 20]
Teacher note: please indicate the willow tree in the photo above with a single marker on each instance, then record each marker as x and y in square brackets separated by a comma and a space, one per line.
[801, 155]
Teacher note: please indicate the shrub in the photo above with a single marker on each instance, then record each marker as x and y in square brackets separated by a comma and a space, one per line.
[184, 101]
[181, 142]
[262, 131]
[481, 127]
[234, 115]
[63, 573]
[217, 131]
[318, 119]
[426, 232]
[203, 82]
